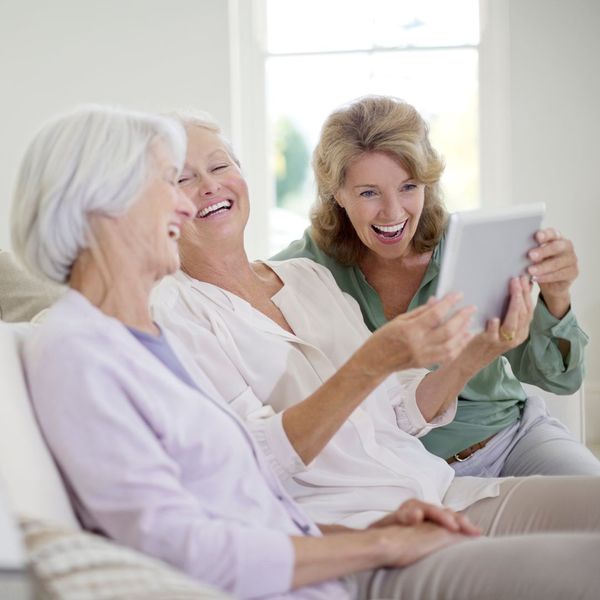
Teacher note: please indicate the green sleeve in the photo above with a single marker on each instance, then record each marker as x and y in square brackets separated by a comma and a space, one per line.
[538, 360]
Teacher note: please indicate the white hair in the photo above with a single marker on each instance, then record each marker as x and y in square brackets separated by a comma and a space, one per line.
[93, 159]
[198, 118]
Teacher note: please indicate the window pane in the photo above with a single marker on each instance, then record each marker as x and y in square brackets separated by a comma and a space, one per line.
[338, 25]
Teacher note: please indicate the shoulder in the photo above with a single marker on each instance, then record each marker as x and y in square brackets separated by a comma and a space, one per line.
[302, 270]
[71, 332]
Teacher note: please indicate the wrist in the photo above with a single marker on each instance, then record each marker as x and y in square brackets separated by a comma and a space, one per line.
[558, 305]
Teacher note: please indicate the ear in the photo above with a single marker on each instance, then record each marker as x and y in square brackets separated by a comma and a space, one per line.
[339, 200]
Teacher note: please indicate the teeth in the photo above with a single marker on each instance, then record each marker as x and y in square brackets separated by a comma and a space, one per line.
[174, 232]
[214, 207]
[390, 228]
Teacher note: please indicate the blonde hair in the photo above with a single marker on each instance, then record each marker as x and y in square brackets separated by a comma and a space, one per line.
[373, 124]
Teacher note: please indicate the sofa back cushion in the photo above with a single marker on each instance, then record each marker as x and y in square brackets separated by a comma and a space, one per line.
[33, 484]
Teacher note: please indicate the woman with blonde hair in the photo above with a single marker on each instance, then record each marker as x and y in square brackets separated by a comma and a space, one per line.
[378, 226]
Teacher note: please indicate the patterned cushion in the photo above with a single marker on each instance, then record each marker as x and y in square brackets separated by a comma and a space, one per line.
[75, 565]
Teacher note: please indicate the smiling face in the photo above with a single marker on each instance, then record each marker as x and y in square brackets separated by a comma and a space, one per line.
[151, 226]
[384, 204]
[212, 180]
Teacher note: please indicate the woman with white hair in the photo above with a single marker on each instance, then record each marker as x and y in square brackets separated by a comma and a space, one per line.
[152, 456]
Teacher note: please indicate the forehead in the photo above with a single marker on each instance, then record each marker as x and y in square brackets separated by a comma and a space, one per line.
[202, 142]
[376, 164]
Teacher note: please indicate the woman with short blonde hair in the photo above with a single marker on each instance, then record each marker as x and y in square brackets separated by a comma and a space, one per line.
[378, 225]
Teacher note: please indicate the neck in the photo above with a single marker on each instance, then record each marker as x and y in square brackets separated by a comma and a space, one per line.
[115, 291]
[371, 261]
[227, 268]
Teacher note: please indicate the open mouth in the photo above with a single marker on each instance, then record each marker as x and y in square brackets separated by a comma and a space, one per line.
[390, 232]
[214, 209]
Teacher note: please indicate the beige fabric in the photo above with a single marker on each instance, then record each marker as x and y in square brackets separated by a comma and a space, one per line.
[33, 485]
[74, 565]
[22, 296]
[540, 504]
[544, 543]
[553, 566]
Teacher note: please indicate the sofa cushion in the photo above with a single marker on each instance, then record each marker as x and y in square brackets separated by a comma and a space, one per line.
[22, 296]
[71, 564]
[32, 481]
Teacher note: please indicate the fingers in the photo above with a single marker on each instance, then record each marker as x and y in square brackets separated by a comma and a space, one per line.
[546, 235]
[434, 311]
[554, 253]
[415, 511]
[515, 326]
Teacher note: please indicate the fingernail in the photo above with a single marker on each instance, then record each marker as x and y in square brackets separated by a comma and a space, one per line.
[533, 254]
[533, 269]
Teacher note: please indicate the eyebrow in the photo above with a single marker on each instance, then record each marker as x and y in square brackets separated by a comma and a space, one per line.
[219, 151]
[370, 185]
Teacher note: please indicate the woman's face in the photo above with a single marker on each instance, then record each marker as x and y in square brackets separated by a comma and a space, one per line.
[214, 183]
[384, 204]
[149, 230]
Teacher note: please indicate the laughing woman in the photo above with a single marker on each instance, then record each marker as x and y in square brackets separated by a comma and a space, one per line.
[378, 226]
[323, 396]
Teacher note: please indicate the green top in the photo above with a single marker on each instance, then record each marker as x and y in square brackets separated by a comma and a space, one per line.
[494, 398]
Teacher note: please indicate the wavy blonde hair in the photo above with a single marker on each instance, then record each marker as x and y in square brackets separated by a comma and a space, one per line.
[373, 124]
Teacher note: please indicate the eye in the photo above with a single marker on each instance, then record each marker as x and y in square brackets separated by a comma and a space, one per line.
[367, 194]
[220, 167]
[409, 187]
[184, 178]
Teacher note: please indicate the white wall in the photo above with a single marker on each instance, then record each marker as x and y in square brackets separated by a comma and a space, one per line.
[540, 99]
[146, 54]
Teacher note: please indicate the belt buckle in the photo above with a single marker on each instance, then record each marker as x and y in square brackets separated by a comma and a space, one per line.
[459, 459]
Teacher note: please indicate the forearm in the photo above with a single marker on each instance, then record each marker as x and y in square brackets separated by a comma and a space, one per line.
[439, 389]
[335, 555]
[310, 424]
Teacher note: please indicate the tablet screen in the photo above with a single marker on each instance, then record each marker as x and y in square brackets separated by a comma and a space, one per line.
[484, 249]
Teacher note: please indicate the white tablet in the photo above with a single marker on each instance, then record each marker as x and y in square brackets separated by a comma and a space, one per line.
[484, 249]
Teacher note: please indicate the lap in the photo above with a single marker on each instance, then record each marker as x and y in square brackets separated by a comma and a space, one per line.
[539, 504]
[537, 445]
[548, 450]
[549, 566]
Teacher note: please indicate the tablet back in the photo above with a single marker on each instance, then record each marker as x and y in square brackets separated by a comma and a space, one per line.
[484, 249]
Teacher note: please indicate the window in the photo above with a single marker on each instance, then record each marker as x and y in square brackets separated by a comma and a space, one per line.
[324, 53]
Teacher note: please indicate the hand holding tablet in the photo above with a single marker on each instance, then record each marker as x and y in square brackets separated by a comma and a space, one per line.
[483, 251]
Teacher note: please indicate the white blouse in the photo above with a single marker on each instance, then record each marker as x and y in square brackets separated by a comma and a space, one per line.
[375, 461]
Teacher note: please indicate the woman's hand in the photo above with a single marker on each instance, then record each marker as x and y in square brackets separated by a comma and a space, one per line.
[441, 387]
[554, 268]
[498, 338]
[421, 337]
[413, 512]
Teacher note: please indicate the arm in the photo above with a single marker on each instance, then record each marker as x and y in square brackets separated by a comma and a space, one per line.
[413, 531]
[414, 339]
[293, 438]
[552, 358]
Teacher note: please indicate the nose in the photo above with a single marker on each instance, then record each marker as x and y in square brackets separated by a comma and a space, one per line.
[391, 208]
[184, 207]
[209, 185]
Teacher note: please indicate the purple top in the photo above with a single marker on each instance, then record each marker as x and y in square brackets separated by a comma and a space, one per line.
[158, 465]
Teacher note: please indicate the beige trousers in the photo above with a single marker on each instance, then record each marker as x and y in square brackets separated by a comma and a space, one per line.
[543, 542]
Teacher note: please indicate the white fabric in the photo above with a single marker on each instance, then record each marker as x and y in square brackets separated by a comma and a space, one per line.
[374, 462]
[33, 485]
